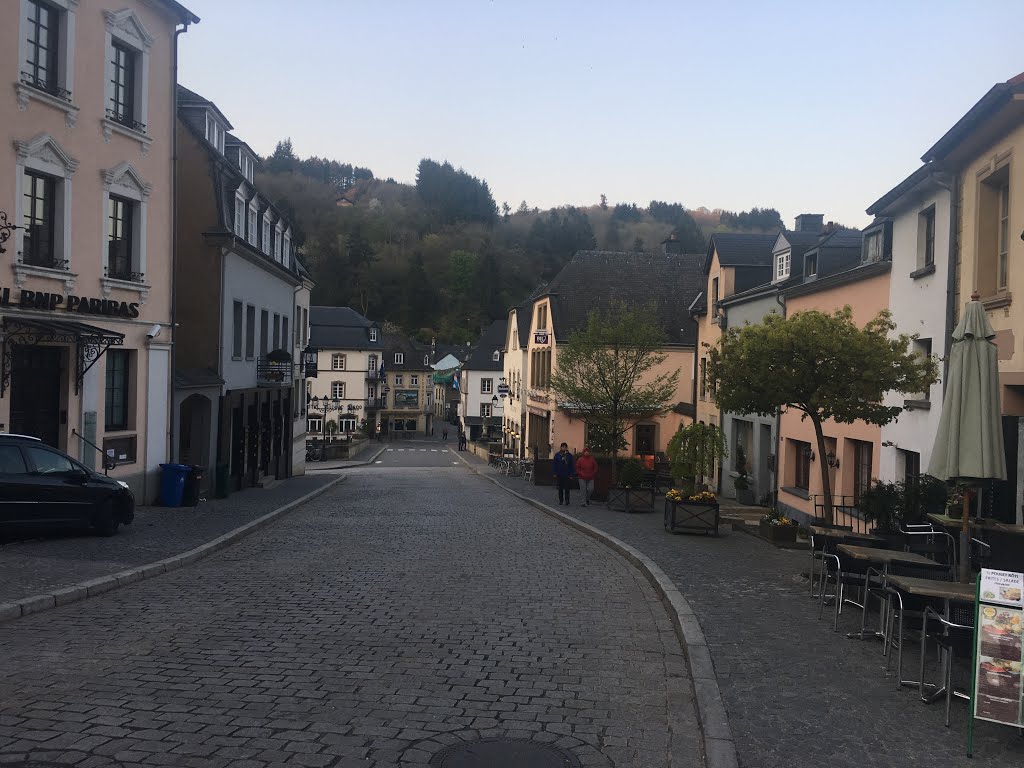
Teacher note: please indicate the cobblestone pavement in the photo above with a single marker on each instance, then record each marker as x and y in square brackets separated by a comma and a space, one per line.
[59, 559]
[401, 612]
[797, 694]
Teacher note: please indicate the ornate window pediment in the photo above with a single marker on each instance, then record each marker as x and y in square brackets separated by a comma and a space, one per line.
[44, 150]
[125, 180]
[129, 27]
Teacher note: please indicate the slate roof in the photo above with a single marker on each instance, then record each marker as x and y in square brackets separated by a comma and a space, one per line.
[595, 280]
[739, 249]
[341, 328]
[412, 355]
[481, 358]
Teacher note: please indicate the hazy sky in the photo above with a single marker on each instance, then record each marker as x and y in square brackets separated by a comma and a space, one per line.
[818, 106]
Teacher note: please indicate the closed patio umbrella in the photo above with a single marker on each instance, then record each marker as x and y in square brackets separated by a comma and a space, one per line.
[969, 442]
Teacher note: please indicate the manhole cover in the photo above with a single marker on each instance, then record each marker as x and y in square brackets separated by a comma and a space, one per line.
[503, 753]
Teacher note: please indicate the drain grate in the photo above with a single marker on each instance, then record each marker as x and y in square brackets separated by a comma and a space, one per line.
[503, 753]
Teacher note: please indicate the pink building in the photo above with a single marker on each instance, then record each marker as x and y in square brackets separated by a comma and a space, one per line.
[85, 308]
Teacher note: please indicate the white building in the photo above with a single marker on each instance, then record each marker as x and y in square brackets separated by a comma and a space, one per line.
[517, 333]
[480, 405]
[919, 208]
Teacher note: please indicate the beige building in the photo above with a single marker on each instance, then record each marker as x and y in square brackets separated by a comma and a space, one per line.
[86, 298]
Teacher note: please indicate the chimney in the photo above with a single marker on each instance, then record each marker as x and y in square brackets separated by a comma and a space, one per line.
[671, 244]
[810, 222]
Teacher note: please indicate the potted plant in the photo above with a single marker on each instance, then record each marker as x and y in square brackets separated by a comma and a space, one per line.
[881, 505]
[744, 494]
[777, 528]
[691, 512]
[693, 452]
[628, 495]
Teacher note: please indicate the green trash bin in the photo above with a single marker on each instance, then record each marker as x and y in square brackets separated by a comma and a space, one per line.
[222, 481]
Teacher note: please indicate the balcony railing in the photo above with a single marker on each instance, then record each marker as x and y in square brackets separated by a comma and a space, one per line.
[275, 369]
[44, 261]
[131, 277]
[126, 120]
[41, 85]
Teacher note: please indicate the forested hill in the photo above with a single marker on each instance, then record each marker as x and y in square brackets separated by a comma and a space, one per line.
[440, 258]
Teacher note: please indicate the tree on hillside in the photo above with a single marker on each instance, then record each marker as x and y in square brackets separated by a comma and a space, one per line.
[453, 195]
[820, 364]
[684, 226]
[627, 212]
[557, 236]
[604, 373]
[767, 219]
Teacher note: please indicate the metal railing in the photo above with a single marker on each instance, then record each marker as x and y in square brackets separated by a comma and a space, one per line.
[27, 78]
[274, 373]
[126, 120]
[844, 512]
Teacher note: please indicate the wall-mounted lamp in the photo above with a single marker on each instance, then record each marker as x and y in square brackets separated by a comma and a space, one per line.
[809, 454]
[832, 460]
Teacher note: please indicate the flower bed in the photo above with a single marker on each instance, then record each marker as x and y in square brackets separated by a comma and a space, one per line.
[691, 513]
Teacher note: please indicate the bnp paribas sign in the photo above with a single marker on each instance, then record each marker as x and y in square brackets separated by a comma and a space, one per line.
[59, 302]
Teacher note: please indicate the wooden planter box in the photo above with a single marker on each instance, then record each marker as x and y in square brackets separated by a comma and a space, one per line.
[778, 534]
[631, 499]
[691, 517]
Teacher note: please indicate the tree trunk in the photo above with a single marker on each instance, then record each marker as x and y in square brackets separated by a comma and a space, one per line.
[826, 488]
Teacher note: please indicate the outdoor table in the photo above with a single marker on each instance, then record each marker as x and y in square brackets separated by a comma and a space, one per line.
[984, 524]
[885, 558]
[947, 591]
[833, 534]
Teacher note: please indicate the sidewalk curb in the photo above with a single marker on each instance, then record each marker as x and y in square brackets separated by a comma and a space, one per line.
[348, 466]
[86, 589]
[719, 747]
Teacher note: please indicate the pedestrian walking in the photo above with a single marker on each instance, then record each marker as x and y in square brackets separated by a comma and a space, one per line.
[463, 442]
[444, 433]
[564, 469]
[586, 471]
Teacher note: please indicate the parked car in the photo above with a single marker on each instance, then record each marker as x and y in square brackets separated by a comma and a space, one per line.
[41, 486]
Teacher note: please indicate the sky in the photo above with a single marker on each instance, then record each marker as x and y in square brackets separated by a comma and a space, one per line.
[818, 107]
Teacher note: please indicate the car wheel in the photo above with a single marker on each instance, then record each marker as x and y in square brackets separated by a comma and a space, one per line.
[105, 521]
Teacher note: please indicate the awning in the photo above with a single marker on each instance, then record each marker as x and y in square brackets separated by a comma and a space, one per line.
[91, 342]
[473, 421]
[196, 378]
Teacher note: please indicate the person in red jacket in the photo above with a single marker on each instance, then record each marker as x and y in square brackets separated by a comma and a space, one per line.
[586, 471]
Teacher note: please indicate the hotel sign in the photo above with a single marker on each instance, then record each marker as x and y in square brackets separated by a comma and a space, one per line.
[82, 305]
[541, 337]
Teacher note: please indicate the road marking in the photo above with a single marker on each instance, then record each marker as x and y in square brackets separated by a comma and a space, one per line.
[455, 462]
[423, 450]
[391, 449]
[379, 461]
[433, 450]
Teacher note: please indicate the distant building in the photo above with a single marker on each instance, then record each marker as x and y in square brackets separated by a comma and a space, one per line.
[481, 408]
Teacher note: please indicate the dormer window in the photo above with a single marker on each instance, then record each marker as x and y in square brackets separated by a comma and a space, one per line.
[373, 334]
[246, 165]
[286, 249]
[426, 360]
[267, 227]
[277, 242]
[215, 132]
[399, 358]
[811, 266]
[239, 224]
[253, 211]
[872, 247]
[496, 356]
[782, 264]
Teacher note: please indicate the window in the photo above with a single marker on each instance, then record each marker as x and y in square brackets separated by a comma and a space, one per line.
[122, 100]
[782, 264]
[485, 410]
[285, 338]
[314, 425]
[542, 317]
[236, 332]
[373, 334]
[246, 165]
[911, 467]
[250, 331]
[714, 293]
[921, 348]
[215, 132]
[399, 358]
[801, 454]
[11, 461]
[305, 325]
[286, 249]
[116, 411]
[337, 362]
[240, 213]
[43, 60]
[399, 380]
[371, 392]
[861, 469]
[277, 331]
[121, 239]
[703, 383]
[277, 242]
[811, 265]
[264, 332]
[371, 365]
[1004, 236]
[347, 423]
[873, 247]
[253, 210]
[495, 356]
[414, 380]
[926, 237]
[48, 462]
[267, 226]
[485, 386]
[426, 360]
[38, 243]
[338, 390]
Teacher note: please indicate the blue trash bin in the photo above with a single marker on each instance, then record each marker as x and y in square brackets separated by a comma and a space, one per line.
[172, 483]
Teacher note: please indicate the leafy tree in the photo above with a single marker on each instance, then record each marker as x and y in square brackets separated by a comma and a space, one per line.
[693, 452]
[453, 195]
[604, 202]
[627, 212]
[604, 372]
[821, 364]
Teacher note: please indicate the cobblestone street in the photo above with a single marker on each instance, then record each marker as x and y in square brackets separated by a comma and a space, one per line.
[401, 612]
[798, 695]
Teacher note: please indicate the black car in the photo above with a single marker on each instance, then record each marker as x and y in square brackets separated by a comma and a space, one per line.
[41, 486]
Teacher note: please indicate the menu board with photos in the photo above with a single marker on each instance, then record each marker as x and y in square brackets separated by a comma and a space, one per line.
[998, 680]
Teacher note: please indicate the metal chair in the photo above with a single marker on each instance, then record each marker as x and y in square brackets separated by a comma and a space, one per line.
[528, 470]
[819, 546]
[934, 544]
[852, 574]
[900, 609]
[954, 638]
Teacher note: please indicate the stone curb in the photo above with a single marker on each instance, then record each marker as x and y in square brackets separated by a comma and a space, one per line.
[348, 466]
[93, 587]
[719, 747]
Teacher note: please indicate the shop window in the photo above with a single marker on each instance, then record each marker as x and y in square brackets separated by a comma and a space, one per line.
[314, 426]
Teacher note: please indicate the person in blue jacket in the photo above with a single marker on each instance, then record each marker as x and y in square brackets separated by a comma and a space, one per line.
[564, 469]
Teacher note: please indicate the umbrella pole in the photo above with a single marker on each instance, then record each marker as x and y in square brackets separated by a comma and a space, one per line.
[965, 539]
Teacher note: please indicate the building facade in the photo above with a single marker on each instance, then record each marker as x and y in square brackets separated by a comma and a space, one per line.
[86, 304]
[347, 387]
[515, 368]
[241, 281]
[407, 389]
[482, 404]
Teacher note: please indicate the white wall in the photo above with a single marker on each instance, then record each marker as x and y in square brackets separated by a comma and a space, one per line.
[250, 284]
[918, 306]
